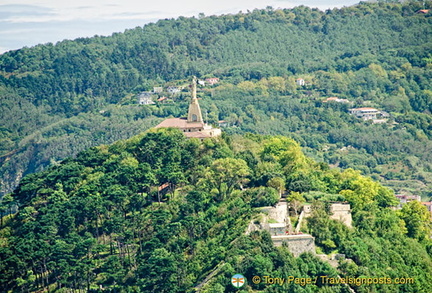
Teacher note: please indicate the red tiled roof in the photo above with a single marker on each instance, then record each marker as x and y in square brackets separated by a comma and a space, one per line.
[364, 108]
[331, 99]
[163, 186]
[405, 196]
[196, 134]
[179, 123]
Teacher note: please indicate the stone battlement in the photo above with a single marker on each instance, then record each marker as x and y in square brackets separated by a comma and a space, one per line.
[297, 244]
[341, 212]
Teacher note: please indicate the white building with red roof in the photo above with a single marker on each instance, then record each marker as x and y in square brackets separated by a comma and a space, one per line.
[335, 99]
[212, 80]
[365, 113]
[300, 81]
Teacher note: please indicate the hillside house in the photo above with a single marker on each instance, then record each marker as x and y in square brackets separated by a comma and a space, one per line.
[173, 90]
[423, 11]
[335, 99]
[365, 113]
[157, 89]
[403, 199]
[223, 123]
[385, 114]
[212, 80]
[163, 99]
[144, 98]
[300, 81]
[428, 205]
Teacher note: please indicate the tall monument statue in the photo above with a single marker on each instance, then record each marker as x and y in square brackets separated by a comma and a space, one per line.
[193, 126]
[194, 113]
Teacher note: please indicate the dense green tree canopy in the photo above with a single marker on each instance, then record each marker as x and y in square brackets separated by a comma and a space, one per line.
[58, 99]
[107, 220]
[175, 209]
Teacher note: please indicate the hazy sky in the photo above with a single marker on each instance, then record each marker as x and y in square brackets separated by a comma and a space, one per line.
[31, 22]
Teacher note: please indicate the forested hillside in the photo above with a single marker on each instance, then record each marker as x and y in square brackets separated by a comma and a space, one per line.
[161, 213]
[59, 99]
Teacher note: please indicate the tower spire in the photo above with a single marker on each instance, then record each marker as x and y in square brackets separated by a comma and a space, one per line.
[194, 113]
[194, 87]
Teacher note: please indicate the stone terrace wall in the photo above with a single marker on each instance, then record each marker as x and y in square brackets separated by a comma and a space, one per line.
[297, 244]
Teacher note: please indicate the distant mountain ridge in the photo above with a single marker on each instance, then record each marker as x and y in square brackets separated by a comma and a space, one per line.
[52, 95]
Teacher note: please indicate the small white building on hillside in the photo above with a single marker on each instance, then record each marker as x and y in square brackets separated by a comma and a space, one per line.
[365, 113]
[144, 98]
[300, 81]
